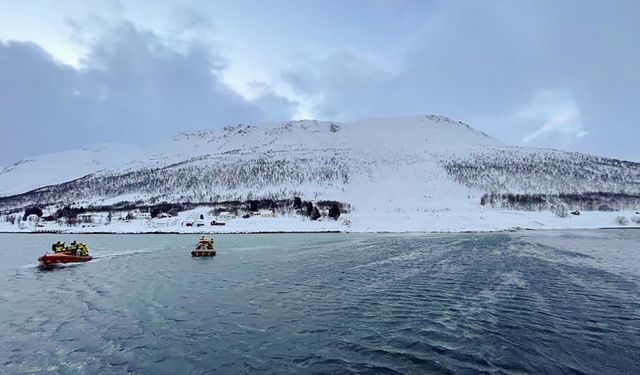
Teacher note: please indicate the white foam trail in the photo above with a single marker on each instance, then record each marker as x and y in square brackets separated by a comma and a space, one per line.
[125, 253]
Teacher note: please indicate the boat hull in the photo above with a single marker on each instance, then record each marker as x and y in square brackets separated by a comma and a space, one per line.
[203, 253]
[62, 258]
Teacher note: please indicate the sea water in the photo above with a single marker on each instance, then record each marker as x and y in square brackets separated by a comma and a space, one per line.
[513, 303]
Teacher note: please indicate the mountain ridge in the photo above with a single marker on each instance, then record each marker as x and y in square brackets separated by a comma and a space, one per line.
[429, 164]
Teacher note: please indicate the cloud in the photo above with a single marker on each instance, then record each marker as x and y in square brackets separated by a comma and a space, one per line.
[193, 20]
[132, 86]
[557, 112]
[343, 86]
[272, 105]
[481, 62]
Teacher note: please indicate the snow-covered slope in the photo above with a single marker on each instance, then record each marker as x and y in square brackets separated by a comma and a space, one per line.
[430, 170]
[59, 167]
[309, 158]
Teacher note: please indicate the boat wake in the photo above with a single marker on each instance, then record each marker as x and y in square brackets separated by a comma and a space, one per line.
[96, 258]
[124, 253]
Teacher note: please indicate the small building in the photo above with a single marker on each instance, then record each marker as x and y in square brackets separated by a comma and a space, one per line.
[86, 218]
[163, 215]
[226, 215]
[91, 218]
[193, 223]
[33, 218]
[268, 213]
[142, 216]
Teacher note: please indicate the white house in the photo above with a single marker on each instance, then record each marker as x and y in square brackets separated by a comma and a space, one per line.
[142, 216]
[33, 218]
[226, 215]
[89, 218]
[268, 213]
[198, 223]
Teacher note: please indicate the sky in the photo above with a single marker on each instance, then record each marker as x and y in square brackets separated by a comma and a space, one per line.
[540, 73]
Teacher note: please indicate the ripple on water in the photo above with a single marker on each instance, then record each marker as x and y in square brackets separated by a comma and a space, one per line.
[495, 303]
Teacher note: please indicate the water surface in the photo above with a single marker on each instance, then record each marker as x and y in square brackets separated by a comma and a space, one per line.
[512, 303]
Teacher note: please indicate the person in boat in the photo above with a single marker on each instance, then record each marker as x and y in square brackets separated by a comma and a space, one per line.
[205, 243]
[202, 244]
[57, 247]
[73, 247]
[83, 250]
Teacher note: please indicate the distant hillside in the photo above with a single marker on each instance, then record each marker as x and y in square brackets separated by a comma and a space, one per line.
[392, 165]
[63, 166]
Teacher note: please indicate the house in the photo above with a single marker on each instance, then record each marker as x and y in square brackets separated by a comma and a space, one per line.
[268, 213]
[142, 216]
[33, 218]
[226, 215]
[93, 218]
[88, 218]
[163, 215]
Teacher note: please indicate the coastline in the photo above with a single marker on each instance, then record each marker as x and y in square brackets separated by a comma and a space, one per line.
[327, 231]
[459, 221]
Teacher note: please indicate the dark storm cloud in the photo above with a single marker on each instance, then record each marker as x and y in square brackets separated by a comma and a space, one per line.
[132, 87]
[559, 74]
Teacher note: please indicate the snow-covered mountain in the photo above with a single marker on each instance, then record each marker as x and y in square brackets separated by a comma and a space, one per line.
[63, 166]
[417, 167]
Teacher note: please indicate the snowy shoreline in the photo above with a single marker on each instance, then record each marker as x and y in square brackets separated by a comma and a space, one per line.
[290, 225]
[471, 220]
[424, 174]
[331, 232]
